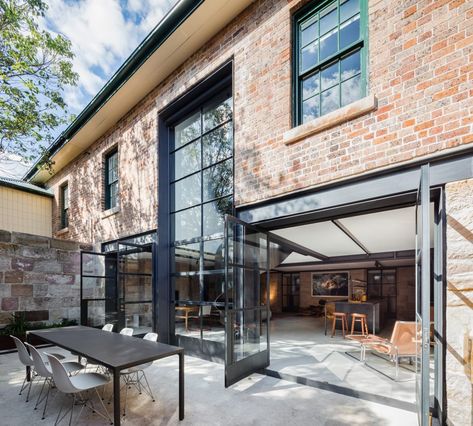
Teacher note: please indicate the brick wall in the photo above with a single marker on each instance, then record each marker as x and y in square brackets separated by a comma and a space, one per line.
[39, 275]
[420, 69]
[459, 199]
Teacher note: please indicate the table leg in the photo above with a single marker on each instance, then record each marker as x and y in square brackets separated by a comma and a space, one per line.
[181, 386]
[116, 397]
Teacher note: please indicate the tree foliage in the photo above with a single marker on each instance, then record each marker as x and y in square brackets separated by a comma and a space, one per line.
[35, 67]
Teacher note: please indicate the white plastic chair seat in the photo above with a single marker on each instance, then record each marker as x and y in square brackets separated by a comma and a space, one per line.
[88, 380]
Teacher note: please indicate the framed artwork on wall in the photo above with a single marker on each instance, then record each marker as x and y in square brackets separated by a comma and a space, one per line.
[330, 284]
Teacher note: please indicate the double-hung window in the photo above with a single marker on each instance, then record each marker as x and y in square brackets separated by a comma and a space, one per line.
[64, 206]
[330, 56]
[111, 180]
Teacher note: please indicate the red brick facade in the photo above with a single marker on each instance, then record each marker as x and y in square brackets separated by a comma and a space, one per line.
[420, 69]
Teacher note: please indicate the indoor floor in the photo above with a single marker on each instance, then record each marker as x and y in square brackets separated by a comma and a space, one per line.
[300, 348]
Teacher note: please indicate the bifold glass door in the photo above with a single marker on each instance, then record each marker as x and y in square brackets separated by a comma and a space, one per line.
[98, 290]
[423, 278]
[135, 287]
[246, 300]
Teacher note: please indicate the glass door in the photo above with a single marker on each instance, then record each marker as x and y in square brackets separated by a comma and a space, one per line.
[98, 292]
[246, 300]
[423, 277]
[135, 287]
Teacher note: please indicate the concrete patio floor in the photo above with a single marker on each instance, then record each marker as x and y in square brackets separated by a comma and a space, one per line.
[299, 347]
[256, 400]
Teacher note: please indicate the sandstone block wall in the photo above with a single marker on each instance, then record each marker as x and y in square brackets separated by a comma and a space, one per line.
[459, 199]
[39, 276]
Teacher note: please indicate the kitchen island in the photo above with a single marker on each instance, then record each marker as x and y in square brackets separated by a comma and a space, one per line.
[375, 310]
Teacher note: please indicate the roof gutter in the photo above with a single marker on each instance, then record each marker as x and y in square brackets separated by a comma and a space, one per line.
[176, 16]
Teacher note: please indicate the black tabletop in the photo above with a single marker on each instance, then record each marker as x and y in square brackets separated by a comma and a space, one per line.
[110, 349]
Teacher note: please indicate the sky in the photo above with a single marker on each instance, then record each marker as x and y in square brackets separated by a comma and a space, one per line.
[103, 34]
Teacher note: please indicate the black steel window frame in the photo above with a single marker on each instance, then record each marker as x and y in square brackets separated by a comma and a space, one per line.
[304, 15]
[202, 273]
[111, 197]
[64, 203]
[178, 110]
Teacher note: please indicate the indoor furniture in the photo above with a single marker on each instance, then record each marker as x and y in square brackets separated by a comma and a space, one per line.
[343, 318]
[360, 318]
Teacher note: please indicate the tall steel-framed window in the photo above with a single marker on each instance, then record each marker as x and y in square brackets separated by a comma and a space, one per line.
[330, 50]
[64, 200]
[201, 193]
[111, 179]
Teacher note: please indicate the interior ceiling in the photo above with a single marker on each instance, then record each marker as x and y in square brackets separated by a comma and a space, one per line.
[379, 232]
[345, 265]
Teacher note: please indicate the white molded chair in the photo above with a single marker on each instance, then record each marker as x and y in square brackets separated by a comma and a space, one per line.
[107, 327]
[127, 331]
[135, 376]
[42, 369]
[27, 361]
[74, 386]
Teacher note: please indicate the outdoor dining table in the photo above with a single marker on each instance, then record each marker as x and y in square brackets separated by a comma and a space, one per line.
[114, 351]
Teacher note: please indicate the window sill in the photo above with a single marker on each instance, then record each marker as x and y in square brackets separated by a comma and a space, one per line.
[110, 212]
[62, 231]
[349, 112]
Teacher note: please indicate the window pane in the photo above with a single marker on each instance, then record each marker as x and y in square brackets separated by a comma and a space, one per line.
[136, 288]
[328, 44]
[310, 109]
[187, 160]
[328, 19]
[330, 100]
[187, 224]
[112, 166]
[350, 31]
[214, 215]
[309, 56]
[329, 76]
[350, 66]
[187, 130]
[309, 33]
[217, 145]
[216, 114]
[186, 288]
[186, 258]
[113, 195]
[250, 334]
[348, 8]
[351, 90]
[65, 197]
[214, 287]
[213, 254]
[186, 192]
[218, 180]
[310, 86]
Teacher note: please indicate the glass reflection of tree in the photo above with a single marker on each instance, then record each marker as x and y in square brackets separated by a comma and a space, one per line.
[217, 145]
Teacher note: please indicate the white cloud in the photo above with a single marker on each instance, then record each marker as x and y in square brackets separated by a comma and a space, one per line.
[103, 33]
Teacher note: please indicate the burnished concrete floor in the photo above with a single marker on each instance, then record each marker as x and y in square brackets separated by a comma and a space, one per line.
[299, 347]
[256, 400]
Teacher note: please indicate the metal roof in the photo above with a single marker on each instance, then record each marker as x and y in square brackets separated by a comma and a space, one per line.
[21, 185]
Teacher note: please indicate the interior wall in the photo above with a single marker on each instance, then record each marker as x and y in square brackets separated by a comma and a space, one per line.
[406, 293]
[306, 287]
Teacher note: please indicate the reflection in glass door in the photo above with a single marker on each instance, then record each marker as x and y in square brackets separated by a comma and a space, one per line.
[246, 300]
[201, 193]
[135, 278]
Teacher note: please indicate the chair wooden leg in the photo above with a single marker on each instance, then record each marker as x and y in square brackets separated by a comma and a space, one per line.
[343, 326]
[334, 321]
[366, 327]
[352, 325]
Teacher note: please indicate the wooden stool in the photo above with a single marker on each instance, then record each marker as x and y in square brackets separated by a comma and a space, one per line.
[343, 317]
[361, 318]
